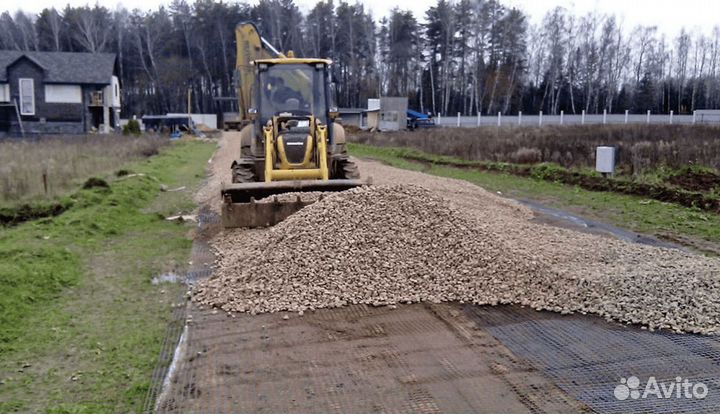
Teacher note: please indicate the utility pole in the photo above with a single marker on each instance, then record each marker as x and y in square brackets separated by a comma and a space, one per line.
[189, 102]
[432, 86]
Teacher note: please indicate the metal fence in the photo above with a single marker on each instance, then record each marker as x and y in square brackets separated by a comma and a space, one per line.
[581, 119]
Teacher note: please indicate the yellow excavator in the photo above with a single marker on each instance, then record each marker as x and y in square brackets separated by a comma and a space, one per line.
[290, 140]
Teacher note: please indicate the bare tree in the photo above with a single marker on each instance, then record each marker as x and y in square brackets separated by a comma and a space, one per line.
[25, 29]
[91, 28]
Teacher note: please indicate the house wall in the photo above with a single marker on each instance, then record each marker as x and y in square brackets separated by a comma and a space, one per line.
[393, 113]
[40, 128]
[115, 92]
[373, 119]
[53, 118]
[24, 68]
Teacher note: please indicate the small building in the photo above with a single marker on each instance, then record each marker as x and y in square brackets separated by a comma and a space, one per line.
[58, 93]
[393, 113]
[352, 117]
[383, 114]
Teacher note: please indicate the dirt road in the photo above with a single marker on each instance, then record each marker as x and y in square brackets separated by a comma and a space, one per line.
[425, 357]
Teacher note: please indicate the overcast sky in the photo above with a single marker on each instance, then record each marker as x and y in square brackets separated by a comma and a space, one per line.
[668, 15]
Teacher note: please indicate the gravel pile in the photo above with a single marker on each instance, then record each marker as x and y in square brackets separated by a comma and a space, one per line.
[375, 245]
[393, 244]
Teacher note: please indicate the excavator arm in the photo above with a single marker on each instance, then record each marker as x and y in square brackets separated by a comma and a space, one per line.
[250, 47]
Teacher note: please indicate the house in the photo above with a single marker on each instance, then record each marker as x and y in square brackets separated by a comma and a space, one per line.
[58, 92]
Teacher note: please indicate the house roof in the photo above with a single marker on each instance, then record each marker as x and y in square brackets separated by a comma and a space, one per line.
[65, 67]
[351, 110]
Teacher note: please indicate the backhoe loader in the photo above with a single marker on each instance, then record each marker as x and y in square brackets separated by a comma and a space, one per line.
[290, 142]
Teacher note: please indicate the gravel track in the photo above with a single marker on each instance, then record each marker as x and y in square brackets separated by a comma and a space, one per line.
[414, 237]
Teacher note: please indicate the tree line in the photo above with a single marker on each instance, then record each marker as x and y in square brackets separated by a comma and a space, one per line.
[467, 56]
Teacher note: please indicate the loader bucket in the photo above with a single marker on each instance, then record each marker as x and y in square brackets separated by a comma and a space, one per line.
[241, 207]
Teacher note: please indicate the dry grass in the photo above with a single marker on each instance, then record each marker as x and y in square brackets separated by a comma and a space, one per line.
[640, 147]
[66, 161]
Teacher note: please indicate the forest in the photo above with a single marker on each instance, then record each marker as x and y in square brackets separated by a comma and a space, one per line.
[467, 56]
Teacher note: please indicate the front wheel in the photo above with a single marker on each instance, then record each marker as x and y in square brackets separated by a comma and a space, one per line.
[243, 173]
[346, 169]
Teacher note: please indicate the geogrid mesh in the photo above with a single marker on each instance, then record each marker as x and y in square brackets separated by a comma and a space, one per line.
[587, 357]
[202, 258]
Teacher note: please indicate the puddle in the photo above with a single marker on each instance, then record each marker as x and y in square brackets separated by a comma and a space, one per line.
[595, 226]
[167, 278]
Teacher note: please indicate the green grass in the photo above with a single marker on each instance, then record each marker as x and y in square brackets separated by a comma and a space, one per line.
[690, 226]
[77, 304]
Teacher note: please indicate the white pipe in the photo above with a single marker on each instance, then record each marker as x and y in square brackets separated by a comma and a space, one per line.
[540, 119]
[272, 49]
[648, 117]
[604, 116]
[626, 116]
[499, 119]
[458, 119]
[582, 118]
[562, 116]
[671, 116]
[520, 118]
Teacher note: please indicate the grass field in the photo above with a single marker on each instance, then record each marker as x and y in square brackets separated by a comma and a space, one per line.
[60, 164]
[641, 148]
[82, 323]
[689, 226]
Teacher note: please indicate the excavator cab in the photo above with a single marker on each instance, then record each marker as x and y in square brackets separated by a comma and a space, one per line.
[295, 89]
[290, 142]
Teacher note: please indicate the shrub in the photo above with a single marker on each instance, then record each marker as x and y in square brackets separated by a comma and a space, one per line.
[547, 171]
[527, 156]
[132, 127]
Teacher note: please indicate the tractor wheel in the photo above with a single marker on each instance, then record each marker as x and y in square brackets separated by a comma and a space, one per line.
[346, 169]
[243, 173]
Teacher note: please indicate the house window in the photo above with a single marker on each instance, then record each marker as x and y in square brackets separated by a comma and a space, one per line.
[63, 94]
[27, 96]
[4, 92]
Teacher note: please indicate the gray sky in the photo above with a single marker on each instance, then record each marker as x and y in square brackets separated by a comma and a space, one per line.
[668, 15]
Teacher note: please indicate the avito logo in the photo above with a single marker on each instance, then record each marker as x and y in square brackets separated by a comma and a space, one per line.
[630, 388]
